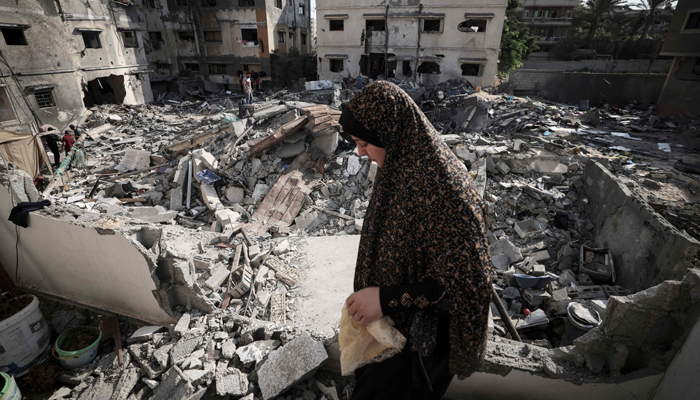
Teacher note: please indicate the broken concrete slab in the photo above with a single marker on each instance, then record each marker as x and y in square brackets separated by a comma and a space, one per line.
[231, 382]
[290, 364]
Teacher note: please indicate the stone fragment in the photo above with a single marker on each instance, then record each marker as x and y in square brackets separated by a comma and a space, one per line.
[290, 364]
[182, 326]
[144, 333]
[231, 381]
[235, 194]
[354, 165]
[217, 278]
[228, 349]
[185, 346]
[173, 386]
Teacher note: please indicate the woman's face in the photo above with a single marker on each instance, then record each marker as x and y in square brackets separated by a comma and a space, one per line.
[376, 154]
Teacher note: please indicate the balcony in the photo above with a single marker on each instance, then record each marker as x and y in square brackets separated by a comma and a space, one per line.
[550, 3]
[548, 21]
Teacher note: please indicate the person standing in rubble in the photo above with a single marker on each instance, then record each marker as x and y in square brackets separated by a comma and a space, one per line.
[68, 141]
[423, 258]
[247, 85]
[52, 142]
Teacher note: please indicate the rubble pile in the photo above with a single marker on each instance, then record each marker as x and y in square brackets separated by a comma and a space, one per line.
[212, 355]
[214, 197]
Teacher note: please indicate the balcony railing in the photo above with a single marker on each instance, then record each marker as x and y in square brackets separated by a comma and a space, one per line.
[548, 39]
[549, 20]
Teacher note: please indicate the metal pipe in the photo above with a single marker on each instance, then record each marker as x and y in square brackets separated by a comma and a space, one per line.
[189, 183]
[386, 43]
[504, 315]
[420, 28]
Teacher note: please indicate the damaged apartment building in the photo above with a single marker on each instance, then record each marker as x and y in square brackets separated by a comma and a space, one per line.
[209, 41]
[59, 57]
[426, 42]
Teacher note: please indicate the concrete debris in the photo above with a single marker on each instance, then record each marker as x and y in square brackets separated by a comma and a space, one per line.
[561, 205]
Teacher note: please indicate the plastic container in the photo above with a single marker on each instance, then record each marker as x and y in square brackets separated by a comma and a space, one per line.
[9, 391]
[24, 338]
[78, 358]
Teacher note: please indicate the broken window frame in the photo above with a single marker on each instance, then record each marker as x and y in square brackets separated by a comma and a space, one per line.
[302, 9]
[190, 67]
[462, 25]
[429, 63]
[19, 40]
[130, 42]
[432, 20]
[372, 22]
[692, 21]
[92, 36]
[281, 37]
[189, 36]
[278, 4]
[212, 37]
[246, 3]
[479, 69]
[339, 64]
[246, 34]
[162, 65]
[5, 98]
[44, 98]
[339, 25]
[217, 69]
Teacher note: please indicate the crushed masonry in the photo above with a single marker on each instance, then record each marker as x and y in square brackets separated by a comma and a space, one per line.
[214, 205]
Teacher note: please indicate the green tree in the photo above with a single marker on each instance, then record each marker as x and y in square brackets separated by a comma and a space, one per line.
[652, 10]
[598, 11]
[516, 42]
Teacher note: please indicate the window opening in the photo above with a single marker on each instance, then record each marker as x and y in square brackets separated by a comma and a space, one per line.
[336, 25]
[44, 99]
[14, 36]
[429, 67]
[217, 68]
[693, 21]
[472, 25]
[375, 25]
[212, 36]
[301, 9]
[193, 67]
[303, 38]
[431, 25]
[336, 65]
[280, 36]
[186, 36]
[92, 40]
[130, 39]
[471, 69]
[249, 35]
[246, 3]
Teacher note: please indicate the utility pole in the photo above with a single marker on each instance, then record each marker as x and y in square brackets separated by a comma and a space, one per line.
[420, 28]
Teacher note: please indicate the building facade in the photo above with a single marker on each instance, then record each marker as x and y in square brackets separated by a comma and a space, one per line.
[681, 92]
[548, 20]
[211, 40]
[57, 58]
[429, 41]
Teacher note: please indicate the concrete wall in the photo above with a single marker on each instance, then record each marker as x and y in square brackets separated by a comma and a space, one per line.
[639, 66]
[570, 87]
[59, 258]
[646, 248]
[681, 91]
[446, 48]
[680, 380]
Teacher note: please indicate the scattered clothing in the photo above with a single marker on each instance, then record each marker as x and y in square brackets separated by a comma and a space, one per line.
[20, 213]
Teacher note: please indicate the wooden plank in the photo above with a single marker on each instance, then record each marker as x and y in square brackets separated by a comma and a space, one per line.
[196, 141]
[281, 134]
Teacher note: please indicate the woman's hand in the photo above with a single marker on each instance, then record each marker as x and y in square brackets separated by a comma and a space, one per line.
[364, 305]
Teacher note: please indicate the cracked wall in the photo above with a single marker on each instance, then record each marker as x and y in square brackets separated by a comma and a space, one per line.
[115, 264]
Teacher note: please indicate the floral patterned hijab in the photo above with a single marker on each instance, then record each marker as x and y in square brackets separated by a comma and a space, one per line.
[424, 219]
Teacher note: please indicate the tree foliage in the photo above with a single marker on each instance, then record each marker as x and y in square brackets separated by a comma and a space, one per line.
[287, 68]
[516, 42]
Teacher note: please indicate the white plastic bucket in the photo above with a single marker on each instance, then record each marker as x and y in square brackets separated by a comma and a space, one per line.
[24, 338]
[8, 388]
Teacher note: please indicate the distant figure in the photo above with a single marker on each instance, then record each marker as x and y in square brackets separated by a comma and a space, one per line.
[256, 78]
[52, 142]
[68, 141]
[247, 86]
[359, 82]
[76, 131]
[240, 80]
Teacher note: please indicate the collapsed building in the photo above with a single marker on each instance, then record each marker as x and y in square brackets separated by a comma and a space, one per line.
[188, 217]
[430, 42]
[60, 58]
